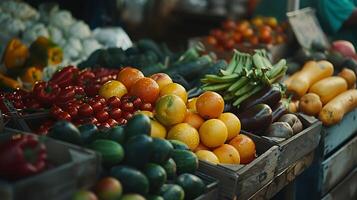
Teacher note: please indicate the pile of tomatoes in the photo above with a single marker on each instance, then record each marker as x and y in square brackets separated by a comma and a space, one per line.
[257, 31]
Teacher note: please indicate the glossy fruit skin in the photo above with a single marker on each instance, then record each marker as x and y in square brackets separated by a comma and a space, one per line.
[146, 89]
[170, 168]
[207, 156]
[133, 180]
[114, 102]
[227, 154]
[232, 123]
[139, 146]
[213, 133]
[112, 152]
[186, 161]
[85, 110]
[172, 192]
[139, 124]
[161, 79]
[186, 134]
[194, 120]
[84, 195]
[102, 116]
[246, 148]
[200, 147]
[157, 130]
[162, 150]
[170, 110]
[191, 184]
[108, 188]
[112, 88]
[116, 113]
[129, 75]
[210, 105]
[156, 176]
[176, 89]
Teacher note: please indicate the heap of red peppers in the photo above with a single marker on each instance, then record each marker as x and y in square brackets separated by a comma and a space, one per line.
[22, 156]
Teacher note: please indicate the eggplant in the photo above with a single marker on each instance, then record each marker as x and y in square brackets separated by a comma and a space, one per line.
[279, 110]
[256, 119]
[280, 130]
[269, 95]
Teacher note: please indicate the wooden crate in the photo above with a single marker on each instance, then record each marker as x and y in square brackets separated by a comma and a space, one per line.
[346, 189]
[242, 181]
[73, 167]
[296, 147]
[211, 187]
[333, 161]
[338, 165]
[284, 178]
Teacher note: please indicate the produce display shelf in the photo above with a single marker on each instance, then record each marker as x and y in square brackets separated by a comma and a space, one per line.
[241, 181]
[284, 178]
[211, 187]
[335, 159]
[73, 167]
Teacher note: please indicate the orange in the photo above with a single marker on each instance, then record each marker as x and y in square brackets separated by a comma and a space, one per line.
[227, 154]
[207, 156]
[201, 147]
[128, 76]
[146, 89]
[112, 88]
[157, 130]
[245, 147]
[162, 79]
[170, 110]
[174, 88]
[232, 123]
[191, 105]
[213, 133]
[186, 134]
[210, 105]
[194, 119]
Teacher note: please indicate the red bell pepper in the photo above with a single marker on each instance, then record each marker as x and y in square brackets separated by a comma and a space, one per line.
[70, 93]
[46, 93]
[85, 77]
[65, 76]
[22, 156]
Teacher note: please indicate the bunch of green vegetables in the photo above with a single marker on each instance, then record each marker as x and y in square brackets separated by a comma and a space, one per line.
[244, 76]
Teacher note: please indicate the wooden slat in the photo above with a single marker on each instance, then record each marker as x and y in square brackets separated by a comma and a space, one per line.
[284, 178]
[337, 166]
[300, 144]
[346, 189]
[335, 136]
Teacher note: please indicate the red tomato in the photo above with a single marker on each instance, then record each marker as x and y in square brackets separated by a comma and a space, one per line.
[114, 102]
[72, 110]
[116, 113]
[100, 99]
[102, 116]
[64, 116]
[127, 115]
[55, 110]
[137, 103]
[91, 120]
[128, 106]
[85, 110]
[122, 121]
[211, 40]
[112, 122]
[104, 125]
[229, 25]
[96, 105]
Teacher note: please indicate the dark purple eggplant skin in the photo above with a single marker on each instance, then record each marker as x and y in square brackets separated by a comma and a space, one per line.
[279, 110]
[269, 95]
[256, 119]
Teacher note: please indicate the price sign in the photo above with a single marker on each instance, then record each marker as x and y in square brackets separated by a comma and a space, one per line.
[306, 27]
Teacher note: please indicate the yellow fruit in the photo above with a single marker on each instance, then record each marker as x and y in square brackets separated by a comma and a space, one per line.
[200, 147]
[112, 88]
[186, 134]
[232, 123]
[174, 88]
[170, 110]
[227, 154]
[162, 79]
[157, 130]
[213, 133]
[210, 105]
[194, 119]
[191, 105]
[208, 156]
[145, 112]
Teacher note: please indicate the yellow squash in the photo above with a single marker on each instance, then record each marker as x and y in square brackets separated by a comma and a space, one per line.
[328, 88]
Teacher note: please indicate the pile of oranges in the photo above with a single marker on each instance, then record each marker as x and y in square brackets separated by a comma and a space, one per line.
[199, 122]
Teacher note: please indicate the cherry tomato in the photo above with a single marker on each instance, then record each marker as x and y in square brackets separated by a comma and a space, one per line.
[85, 110]
[229, 25]
[112, 122]
[211, 40]
[102, 116]
[32, 103]
[137, 102]
[216, 32]
[96, 105]
[18, 104]
[127, 115]
[64, 116]
[72, 110]
[104, 125]
[122, 121]
[44, 127]
[100, 99]
[128, 106]
[229, 44]
[92, 89]
[237, 37]
[55, 110]
[116, 113]
[114, 102]
[146, 106]
[91, 120]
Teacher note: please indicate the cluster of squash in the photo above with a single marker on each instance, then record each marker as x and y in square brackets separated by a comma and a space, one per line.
[322, 94]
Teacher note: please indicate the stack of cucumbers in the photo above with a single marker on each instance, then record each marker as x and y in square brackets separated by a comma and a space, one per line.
[153, 168]
[244, 76]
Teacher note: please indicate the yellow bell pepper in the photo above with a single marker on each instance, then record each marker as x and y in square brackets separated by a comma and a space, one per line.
[15, 54]
[31, 75]
[44, 52]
